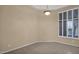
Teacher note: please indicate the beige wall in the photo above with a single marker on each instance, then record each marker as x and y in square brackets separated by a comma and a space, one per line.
[21, 25]
[74, 42]
[49, 29]
[18, 26]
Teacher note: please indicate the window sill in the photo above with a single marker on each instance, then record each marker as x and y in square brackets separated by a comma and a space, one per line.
[67, 37]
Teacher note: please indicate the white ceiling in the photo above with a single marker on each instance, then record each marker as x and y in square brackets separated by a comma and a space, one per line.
[50, 7]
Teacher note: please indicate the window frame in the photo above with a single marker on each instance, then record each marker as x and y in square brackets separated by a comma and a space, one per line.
[62, 36]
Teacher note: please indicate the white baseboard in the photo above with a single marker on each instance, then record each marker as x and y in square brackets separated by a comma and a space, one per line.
[62, 43]
[17, 47]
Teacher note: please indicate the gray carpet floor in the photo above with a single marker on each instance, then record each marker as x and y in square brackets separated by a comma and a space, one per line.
[46, 48]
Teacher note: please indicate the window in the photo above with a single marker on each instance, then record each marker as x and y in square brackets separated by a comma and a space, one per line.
[60, 24]
[68, 23]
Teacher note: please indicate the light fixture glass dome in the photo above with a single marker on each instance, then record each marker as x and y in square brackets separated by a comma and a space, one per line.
[47, 12]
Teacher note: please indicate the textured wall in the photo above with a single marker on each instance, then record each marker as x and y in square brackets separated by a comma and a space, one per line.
[49, 28]
[18, 26]
[74, 42]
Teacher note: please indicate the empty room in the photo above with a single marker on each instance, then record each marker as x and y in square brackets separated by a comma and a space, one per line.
[39, 29]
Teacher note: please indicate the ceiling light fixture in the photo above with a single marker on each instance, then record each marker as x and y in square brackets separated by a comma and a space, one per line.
[47, 11]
